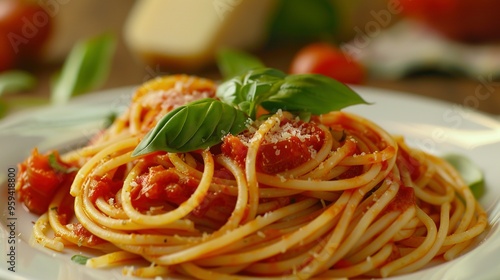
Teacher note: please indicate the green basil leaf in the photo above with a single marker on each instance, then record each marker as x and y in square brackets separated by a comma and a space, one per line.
[80, 259]
[196, 125]
[86, 68]
[54, 164]
[470, 172]
[232, 62]
[299, 20]
[15, 81]
[4, 108]
[264, 75]
[249, 90]
[203, 123]
[312, 93]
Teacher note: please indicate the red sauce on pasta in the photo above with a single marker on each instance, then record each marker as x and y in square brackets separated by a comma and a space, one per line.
[39, 181]
[291, 144]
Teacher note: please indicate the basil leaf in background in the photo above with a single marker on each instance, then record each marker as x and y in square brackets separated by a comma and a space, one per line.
[313, 93]
[80, 259]
[16, 81]
[470, 172]
[249, 90]
[233, 62]
[299, 20]
[86, 68]
[196, 125]
[3, 108]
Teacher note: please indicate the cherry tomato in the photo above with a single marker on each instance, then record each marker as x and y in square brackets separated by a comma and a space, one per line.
[24, 27]
[328, 60]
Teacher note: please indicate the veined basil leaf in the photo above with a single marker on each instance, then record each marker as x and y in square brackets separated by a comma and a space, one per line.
[312, 93]
[86, 68]
[232, 62]
[470, 172]
[15, 81]
[249, 90]
[196, 125]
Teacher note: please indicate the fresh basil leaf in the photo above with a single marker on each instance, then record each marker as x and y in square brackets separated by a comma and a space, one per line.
[313, 93]
[203, 123]
[470, 172]
[264, 75]
[249, 90]
[80, 259]
[85, 69]
[232, 62]
[15, 81]
[54, 164]
[196, 125]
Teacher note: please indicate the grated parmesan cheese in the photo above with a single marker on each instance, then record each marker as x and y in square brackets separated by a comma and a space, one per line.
[282, 178]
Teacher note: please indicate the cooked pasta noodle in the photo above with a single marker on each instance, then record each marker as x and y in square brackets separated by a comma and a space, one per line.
[358, 202]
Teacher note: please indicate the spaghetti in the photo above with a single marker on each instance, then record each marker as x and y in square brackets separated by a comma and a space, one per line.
[333, 197]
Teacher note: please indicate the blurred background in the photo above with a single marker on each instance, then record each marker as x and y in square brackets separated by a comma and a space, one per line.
[52, 50]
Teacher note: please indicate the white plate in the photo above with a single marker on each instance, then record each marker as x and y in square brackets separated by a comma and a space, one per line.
[434, 126]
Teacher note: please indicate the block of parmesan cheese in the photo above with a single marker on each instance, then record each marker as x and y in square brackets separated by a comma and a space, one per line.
[185, 34]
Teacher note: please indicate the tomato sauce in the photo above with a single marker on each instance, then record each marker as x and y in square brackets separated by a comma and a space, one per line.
[404, 199]
[161, 186]
[39, 180]
[104, 187]
[295, 143]
[84, 235]
[411, 163]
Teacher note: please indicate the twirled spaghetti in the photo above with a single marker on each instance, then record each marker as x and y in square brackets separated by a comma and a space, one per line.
[334, 197]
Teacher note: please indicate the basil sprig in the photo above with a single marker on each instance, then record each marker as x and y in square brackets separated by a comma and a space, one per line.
[248, 91]
[274, 90]
[203, 123]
